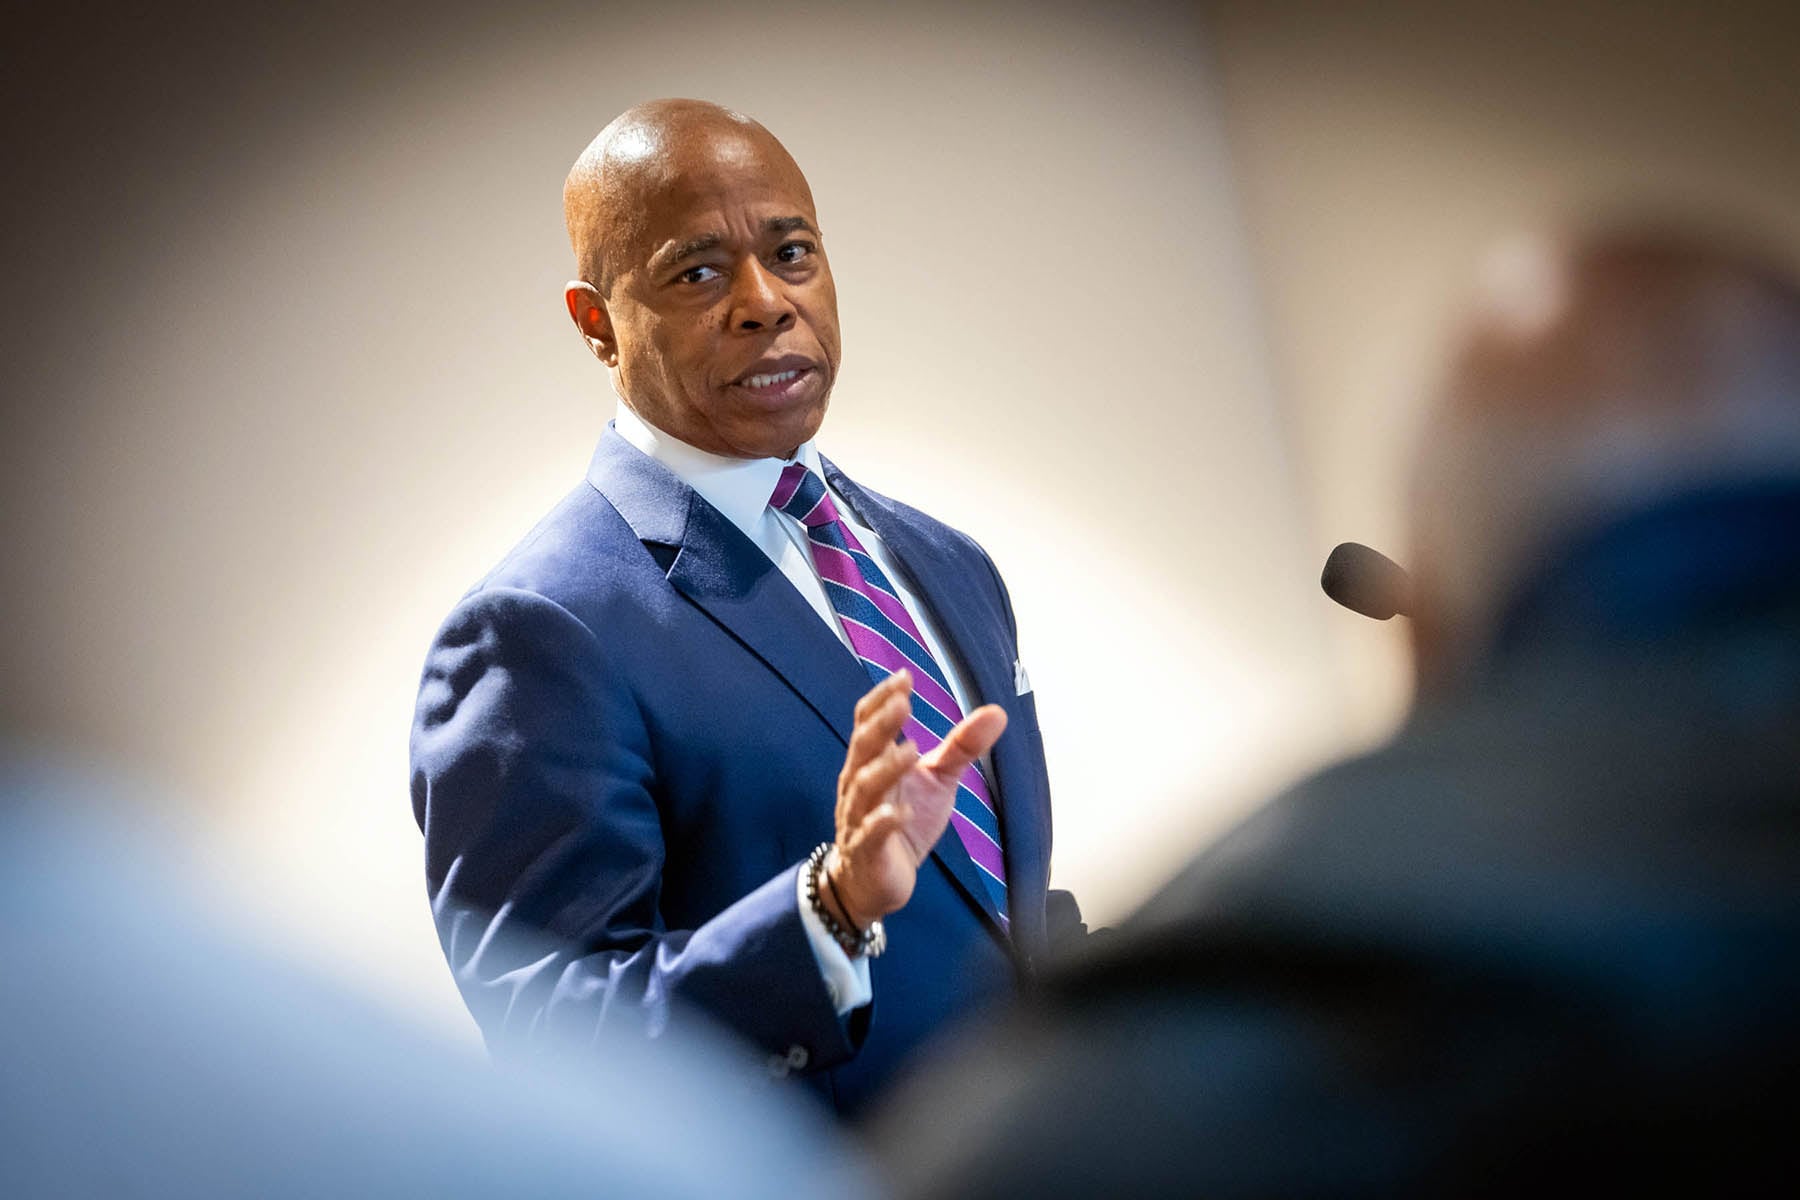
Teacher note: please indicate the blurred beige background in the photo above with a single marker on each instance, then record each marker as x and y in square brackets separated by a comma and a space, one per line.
[1142, 296]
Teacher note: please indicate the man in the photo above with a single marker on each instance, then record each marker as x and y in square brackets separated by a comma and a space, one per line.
[641, 733]
[1549, 937]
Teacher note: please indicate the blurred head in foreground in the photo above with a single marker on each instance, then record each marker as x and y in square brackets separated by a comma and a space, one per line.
[1595, 377]
[1549, 936]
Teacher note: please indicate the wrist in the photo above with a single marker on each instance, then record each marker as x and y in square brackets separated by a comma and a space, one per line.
[831, 873]
[855, 940]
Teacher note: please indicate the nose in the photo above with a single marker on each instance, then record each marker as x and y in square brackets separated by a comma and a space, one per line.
[759, 300]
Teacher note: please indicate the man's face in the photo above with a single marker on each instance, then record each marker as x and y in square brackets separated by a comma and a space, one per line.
[722, 304]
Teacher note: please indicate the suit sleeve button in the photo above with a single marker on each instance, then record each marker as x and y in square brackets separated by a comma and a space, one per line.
[797, 1058]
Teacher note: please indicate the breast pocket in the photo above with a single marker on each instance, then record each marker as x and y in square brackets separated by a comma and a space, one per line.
[1021, 713]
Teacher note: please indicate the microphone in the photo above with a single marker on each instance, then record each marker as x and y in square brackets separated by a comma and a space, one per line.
[1368, 582]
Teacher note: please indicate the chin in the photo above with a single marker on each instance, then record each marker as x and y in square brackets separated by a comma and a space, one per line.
[776, 436]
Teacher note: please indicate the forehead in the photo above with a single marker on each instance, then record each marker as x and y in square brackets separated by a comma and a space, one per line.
[725, 184]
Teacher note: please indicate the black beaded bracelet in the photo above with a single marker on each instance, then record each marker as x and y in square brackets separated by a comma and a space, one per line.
[870, 942]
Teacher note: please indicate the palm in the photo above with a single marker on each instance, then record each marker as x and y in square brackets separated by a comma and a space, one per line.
[924, 803]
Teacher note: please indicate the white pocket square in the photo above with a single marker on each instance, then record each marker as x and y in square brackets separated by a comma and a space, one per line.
[1021, 681]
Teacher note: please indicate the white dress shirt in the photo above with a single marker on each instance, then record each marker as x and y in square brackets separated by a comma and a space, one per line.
[740, 489]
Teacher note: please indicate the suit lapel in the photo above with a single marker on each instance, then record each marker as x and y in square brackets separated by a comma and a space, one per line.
[729, 578]
[938, 578]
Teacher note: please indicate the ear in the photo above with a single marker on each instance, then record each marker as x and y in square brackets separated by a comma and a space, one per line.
[588, 311]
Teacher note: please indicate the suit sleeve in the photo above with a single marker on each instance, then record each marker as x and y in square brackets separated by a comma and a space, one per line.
[533, 781]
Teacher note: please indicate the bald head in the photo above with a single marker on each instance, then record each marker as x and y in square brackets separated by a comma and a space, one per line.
[1594, 374]
[703, 283]
[641, 153]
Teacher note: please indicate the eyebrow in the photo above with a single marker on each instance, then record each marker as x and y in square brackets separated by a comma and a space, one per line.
[788, 225]
[671, 255]
[668, 257]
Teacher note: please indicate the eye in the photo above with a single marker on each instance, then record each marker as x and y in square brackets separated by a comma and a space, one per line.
[698, 275]
[793, 252]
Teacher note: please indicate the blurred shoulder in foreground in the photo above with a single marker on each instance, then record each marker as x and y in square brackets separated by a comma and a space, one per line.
[151, 1051]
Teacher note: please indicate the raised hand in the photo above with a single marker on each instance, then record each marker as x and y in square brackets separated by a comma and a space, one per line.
[893, 804]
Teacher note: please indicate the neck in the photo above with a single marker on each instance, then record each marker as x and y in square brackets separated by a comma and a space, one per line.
[628, 416]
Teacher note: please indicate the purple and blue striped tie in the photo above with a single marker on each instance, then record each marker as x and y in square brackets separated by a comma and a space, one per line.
[885, 638]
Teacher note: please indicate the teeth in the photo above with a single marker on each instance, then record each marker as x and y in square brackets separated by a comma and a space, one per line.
[762, 381]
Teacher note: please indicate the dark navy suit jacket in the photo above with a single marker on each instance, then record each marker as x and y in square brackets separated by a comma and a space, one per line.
[628, 738]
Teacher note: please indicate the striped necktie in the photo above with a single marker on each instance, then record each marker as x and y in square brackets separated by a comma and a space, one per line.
[885, 638]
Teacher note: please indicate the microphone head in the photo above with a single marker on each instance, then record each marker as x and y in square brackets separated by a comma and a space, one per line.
[1368, 582]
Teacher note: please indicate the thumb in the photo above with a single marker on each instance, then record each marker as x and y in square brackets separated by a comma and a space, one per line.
[973, 737]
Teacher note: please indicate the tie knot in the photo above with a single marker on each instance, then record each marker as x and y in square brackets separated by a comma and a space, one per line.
[801, 495]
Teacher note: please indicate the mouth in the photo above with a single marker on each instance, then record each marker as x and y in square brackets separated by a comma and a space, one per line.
[765, 383]
[779, 379]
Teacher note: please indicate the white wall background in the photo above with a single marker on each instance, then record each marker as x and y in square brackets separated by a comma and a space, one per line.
[313, 376]
[288, 365]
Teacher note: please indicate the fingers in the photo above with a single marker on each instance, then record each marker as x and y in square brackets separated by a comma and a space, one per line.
[869, 811]
[973, 737]
[880, 715]
[876, 696]
[872, 782]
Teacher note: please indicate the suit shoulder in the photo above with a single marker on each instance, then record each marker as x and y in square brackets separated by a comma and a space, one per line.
[580, 559]
[941, 532]
[578, 552]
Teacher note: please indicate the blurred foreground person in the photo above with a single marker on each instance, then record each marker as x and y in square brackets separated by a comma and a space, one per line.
[146, 1052]
[1550, 934]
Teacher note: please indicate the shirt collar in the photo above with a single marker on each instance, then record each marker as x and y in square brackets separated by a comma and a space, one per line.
[738, 487]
